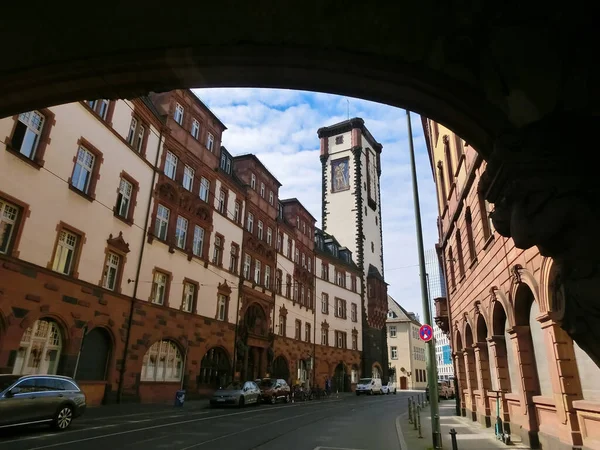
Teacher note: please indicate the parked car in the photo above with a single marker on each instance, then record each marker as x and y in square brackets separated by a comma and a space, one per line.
[446, 389]
[368, 386]
[273, 389]
[37, 399]
[389, 388]
[237, 393]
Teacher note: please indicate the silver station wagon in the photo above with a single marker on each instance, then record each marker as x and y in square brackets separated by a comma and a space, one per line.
[37, 399]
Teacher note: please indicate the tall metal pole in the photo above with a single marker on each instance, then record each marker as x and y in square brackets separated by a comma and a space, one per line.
[431, 362]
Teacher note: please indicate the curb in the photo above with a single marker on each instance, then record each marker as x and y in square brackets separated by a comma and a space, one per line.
[401, 440]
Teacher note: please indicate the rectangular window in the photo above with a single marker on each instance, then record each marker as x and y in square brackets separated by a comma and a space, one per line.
[297, 256]
[236, 212]
[100, 107]
[268, 277]
[170, 165]
[278, 281]
[281, 325]
[210, 141]
[279, 240]
[269, 236]
[189, 291]
[204, 189]
[64, 256]
[353, 282]
[325, 303]
[324, 336]
[341, 279]
[253, 181]
[84, 167]
[295, 291]
[247, 262]
[339, 307]
[298, 330]
[181, 232]
[324, 271]
[392, 331]
[27, 133]
[124, 198]
[159, 288]
[222, 307]
[195, 131]
[9, 215]
[289, 248]
[250, 223]
[198, 244]
[222, 201]
[136, 134]
[394, 352]
[262, 190]
[303, 260]
[111, 271]
[271, 198]
[301, 300]
[162, 222]
[233, 262]
[354, 312]
[188, 178]
[218, 251]
[307, 332]
[139, 140]
[354, 342]
[257, 271]
[178, 115]
[260, 230]
[309, 264]
[288, 286]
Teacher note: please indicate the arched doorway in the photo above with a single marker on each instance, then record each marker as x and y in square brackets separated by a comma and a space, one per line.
[281, 369]
[403, 382]
[255, 358]
[215, 369]
[40, 349]
[376, 371]
[341, 379]
[95, 355]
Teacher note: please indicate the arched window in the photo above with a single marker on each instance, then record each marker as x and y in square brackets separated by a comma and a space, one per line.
[39, 350]
[162, 362]
[214, 368]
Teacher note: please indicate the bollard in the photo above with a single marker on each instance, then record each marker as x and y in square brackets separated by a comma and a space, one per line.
[419, 420]
[409, 411]
[453, 437]
[416, 413]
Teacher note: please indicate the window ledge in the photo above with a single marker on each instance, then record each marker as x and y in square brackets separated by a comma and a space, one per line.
[473, 263]
[123, 219]
[489, 241]
[89, 198]
[35, 164]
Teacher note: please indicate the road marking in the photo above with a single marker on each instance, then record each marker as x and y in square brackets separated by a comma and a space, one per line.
[201, 419]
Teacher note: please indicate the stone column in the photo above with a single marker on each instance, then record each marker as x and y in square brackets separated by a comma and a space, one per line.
[520, 337]
[482, 365]
[497, 348]
[471, 377]
[462, 380]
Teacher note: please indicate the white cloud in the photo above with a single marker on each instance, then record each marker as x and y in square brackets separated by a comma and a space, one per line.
[280, 127]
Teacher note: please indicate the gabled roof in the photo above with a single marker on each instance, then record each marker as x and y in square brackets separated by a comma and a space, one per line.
[253, 157]
[403, 315]
[288, 201]
[373, 272]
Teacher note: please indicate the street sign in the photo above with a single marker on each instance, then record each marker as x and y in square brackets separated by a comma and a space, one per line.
[426, 333]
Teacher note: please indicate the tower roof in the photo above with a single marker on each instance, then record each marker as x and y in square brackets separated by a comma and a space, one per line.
[348, 125]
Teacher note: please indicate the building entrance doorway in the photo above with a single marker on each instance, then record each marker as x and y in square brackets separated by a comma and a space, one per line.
[341, 380]
[403, 383]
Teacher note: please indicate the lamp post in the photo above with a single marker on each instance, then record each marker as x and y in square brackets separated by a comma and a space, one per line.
[431, 361]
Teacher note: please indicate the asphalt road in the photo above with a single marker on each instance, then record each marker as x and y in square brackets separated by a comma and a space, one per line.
[348, 423]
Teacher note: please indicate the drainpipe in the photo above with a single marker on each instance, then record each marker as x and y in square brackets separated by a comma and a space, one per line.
[137, 273]
[237, 310]
[314, 360]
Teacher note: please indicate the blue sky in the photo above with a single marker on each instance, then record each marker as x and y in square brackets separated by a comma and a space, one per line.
[280, 127]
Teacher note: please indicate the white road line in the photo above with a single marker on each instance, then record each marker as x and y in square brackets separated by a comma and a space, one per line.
[202, 419]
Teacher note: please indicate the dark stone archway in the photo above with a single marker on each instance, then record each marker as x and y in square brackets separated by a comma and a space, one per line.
[95, 355]
[281, 369]
[341, 379]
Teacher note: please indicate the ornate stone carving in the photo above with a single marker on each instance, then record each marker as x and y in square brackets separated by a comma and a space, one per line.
[515, 273]
[167, 191]
[544, 195]
[118, 243]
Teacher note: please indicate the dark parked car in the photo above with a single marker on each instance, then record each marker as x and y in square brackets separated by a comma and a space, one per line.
[36, 399]
[273, 389]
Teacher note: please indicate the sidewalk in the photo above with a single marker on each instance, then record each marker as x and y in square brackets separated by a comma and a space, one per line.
[469, 434]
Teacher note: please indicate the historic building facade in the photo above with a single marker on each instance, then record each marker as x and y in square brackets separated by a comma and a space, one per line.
[405, 349]
[351, 162]
[139, 256]
[497, 314]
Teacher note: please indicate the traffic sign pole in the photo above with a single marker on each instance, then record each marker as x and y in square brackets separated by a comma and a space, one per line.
[430, 354]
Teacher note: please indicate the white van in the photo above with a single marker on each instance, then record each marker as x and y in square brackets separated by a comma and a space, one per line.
[369, 386]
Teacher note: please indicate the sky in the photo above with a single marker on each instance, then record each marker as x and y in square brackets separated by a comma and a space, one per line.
[280, 127]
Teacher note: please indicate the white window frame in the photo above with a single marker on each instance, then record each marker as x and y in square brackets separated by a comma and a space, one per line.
[217, 247]
[250, 223]
[269, 236]
[159, 288]
[178, 114]
[271, 198]
[354, 312]
[34, 122]
[222, 201]
[210, 142]
[394, 352]
[325, 303]
[262, 189]
[195, 130]
[189, 291]
[393, 331]
[260, 230]
[9, 215]
[161, 225]
[268, 277]
[188, 178]
[124, 198]
[247, 266]
[111, 268]
[253, 181]
[171, 161]
[204, 189]
[181, 232]
[167, 365]
[198, 243]
[236, 212]
[222, 307]
[257, 268]
[324, 336]
[85, 162]
[132, 131]
[66, 250]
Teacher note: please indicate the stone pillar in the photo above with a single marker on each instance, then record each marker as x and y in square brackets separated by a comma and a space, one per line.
[482, 365]
[245, 370]
[497, 349]
[459, 363]
[471, 377]
[256, 361]
[566, 385]
[545, 196]
[520, 337]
